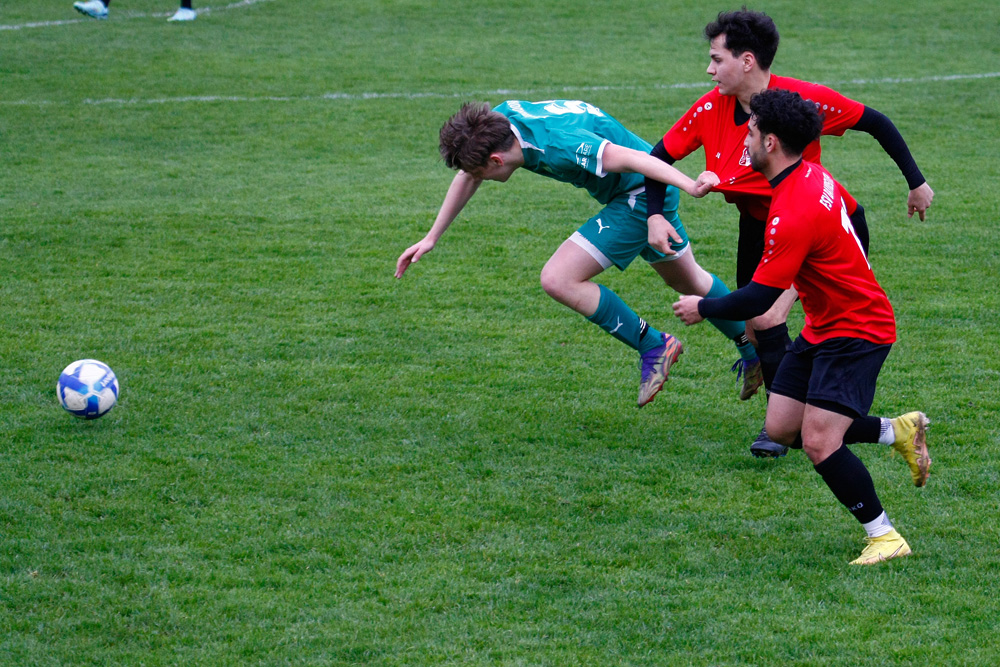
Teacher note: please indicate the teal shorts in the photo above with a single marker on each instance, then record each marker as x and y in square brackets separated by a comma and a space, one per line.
[619, 233]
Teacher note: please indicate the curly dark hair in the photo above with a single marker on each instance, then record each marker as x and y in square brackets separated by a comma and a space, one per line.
[470, 136]
[795, 121]
[746, 30]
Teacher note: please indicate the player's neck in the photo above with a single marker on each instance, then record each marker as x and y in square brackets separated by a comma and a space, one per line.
[515, 156]
[777, 164]
[756, 81]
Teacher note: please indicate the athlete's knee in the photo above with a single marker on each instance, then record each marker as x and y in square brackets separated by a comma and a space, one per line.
[557, 284]
[783, 434]
[550, 280]
[819, 449]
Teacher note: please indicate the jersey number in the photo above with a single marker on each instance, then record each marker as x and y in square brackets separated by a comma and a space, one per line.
[571, 106]
[845, 220]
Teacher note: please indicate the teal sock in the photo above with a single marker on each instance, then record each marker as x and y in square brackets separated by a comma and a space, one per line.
[620, 321]
[747, 351]
[731, 329]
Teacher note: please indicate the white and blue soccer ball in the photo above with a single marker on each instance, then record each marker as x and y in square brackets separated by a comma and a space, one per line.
[87, 388]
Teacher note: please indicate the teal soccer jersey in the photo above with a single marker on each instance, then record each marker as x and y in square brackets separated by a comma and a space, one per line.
[565, 139]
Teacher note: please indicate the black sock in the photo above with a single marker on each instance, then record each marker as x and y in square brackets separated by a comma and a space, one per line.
[771, 347]
[185, 4]
[863, 429]
[851, 483]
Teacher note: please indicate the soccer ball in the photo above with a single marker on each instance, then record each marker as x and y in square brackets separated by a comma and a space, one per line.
[87, 388]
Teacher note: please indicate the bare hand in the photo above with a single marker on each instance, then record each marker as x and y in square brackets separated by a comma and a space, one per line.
[411, 255]
[686, 308]
[704, 184]
[919, 200]
[660, 233]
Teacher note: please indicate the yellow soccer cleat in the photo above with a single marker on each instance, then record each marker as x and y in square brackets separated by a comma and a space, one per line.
[890, 545]
[911, 442]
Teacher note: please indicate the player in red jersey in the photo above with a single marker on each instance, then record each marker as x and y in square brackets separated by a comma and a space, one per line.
[826, 383]
[742, 48]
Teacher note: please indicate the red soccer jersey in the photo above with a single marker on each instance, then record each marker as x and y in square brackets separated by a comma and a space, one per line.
[809, 242]
[711, 123]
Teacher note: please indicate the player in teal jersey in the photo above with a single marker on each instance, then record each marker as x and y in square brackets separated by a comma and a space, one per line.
[577, 143]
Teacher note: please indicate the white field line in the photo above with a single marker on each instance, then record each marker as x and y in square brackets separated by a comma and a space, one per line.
[128, 15]
[500, 92]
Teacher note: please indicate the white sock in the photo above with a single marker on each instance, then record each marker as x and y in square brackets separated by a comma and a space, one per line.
[879, 526]
[887, 435]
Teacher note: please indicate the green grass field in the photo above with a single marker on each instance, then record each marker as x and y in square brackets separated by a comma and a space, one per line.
[313, 463]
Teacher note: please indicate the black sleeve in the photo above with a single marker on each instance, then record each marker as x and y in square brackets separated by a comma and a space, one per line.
[747, 302]
[879, 126]
[656, 192]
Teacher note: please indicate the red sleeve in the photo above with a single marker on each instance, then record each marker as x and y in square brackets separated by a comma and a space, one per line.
[685, 137]
[840, 113]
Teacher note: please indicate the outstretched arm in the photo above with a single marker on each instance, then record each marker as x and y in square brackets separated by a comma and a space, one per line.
[462, 187]
[746, 303]
[879, 126]
[619, 159]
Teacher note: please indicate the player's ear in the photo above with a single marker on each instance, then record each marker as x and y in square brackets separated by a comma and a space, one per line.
[770, 142]
[748, 59]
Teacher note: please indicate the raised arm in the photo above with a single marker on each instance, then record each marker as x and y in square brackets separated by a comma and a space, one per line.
[879, 126]
[462, 187]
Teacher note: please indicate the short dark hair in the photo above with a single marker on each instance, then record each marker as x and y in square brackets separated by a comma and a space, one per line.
[747, 31]
[795, 121]
[474, 133]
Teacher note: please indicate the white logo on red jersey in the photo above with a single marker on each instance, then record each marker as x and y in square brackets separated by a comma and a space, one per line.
[745, 158]
[826, 199]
